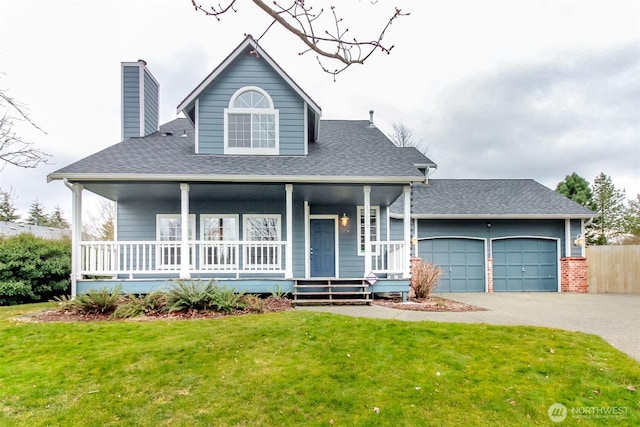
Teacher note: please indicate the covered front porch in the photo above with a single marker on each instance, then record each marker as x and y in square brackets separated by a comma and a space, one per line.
[267, 235]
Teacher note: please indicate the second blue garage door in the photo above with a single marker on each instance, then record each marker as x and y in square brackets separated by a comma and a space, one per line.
[461, 261]
[525, 265]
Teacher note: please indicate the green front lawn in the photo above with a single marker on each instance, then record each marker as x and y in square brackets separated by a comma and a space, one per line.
[304, 368]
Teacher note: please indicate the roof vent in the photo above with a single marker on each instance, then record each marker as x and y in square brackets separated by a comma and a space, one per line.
[167, 133]
[371, 117]
[184, 134]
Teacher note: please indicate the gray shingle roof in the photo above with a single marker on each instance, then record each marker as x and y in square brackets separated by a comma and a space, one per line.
[345, 150]
[486, 198]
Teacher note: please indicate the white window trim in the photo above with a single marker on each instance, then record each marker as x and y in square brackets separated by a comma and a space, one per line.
[207, 216]
[191, 231]
[360, 214]
[271, 110]
[192, 225]
[245, 217]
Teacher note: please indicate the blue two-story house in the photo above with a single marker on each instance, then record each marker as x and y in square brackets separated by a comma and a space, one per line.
[251, 188]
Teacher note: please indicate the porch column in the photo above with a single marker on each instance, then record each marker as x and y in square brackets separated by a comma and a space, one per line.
[583, 249]
[184, 235]
[76, 235]
[407, 232]
[289, 248]
[568, 241]
[367, 229]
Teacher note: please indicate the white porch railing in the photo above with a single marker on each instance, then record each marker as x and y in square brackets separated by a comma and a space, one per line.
[388, 257]
[153, 257]
[235, 257]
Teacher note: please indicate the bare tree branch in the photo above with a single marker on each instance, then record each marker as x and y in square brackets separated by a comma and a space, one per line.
[300, 19]
[13, 149]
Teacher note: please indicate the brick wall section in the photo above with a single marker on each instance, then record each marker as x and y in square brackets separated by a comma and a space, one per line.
[573, 274]
[489, 274]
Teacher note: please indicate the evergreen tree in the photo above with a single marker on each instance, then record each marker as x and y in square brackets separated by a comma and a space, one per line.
[55, 219]
[577, 189]
[610, 205]
[8, 211]
[632, 222]
[37, 215]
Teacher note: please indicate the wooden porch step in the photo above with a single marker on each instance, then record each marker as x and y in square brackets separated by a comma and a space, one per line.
[331, 291]
[336, 293]
[332, 301]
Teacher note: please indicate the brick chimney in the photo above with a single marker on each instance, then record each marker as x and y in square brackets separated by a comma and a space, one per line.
[140, 100]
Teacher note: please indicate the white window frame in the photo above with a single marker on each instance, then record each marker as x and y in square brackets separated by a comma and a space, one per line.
[246, 217]
[160, 259]
[374, 238]
[269, 111]
[221, 256]
[204, 217]
[278, 253]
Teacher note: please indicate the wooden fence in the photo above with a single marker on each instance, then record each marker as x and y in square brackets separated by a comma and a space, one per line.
[614, 269]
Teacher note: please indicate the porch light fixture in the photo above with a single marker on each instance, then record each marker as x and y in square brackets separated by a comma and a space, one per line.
[579, 240]
[344, 220]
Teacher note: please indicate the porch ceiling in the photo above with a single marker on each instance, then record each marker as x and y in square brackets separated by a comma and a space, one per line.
[332, 194]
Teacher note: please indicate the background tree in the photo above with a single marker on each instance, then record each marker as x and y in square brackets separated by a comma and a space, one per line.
[609, 203]
[55, 219]
[13, 149]
[8, 211]
[100, 225]
[402, 135]
[632, 221]
[577, 189]
[37, 214]
[326, 37]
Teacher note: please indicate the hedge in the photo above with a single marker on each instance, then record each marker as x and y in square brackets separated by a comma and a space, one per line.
[33, 269]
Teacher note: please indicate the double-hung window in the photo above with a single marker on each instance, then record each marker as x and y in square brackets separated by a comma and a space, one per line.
[220, 246]
[262, 241]
[373, 229]
[251, 123]
[169, 233]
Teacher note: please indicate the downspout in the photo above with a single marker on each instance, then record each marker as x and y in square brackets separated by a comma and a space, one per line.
[76, 230]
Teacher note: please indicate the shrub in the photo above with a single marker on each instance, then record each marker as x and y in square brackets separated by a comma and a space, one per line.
[33, 269]
[203, 296]
[424, 278]
[16, 292]
[191, 295]
[226, 300]
[98, 301]
[253, 303]
[136, 305]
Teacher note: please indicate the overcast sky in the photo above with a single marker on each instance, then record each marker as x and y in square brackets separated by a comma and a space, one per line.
[493, 89]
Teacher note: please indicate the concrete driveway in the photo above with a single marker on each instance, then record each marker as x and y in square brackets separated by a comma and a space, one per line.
[614, 317]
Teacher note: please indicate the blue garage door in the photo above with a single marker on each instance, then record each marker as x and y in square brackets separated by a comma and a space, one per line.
[461, 261]
[525, 265]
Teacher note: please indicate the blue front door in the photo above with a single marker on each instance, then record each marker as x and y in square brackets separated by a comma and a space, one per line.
[323, 249]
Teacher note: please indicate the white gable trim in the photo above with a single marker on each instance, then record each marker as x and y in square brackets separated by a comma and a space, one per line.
[249, 42]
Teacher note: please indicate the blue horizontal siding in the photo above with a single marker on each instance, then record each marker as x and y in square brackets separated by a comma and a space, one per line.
[247, 70]
[130, 101]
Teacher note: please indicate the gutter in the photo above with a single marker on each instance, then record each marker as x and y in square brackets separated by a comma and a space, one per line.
[329, 179]
[495, 216]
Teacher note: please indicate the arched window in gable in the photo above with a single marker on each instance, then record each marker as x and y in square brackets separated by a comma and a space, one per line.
[251, 123]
